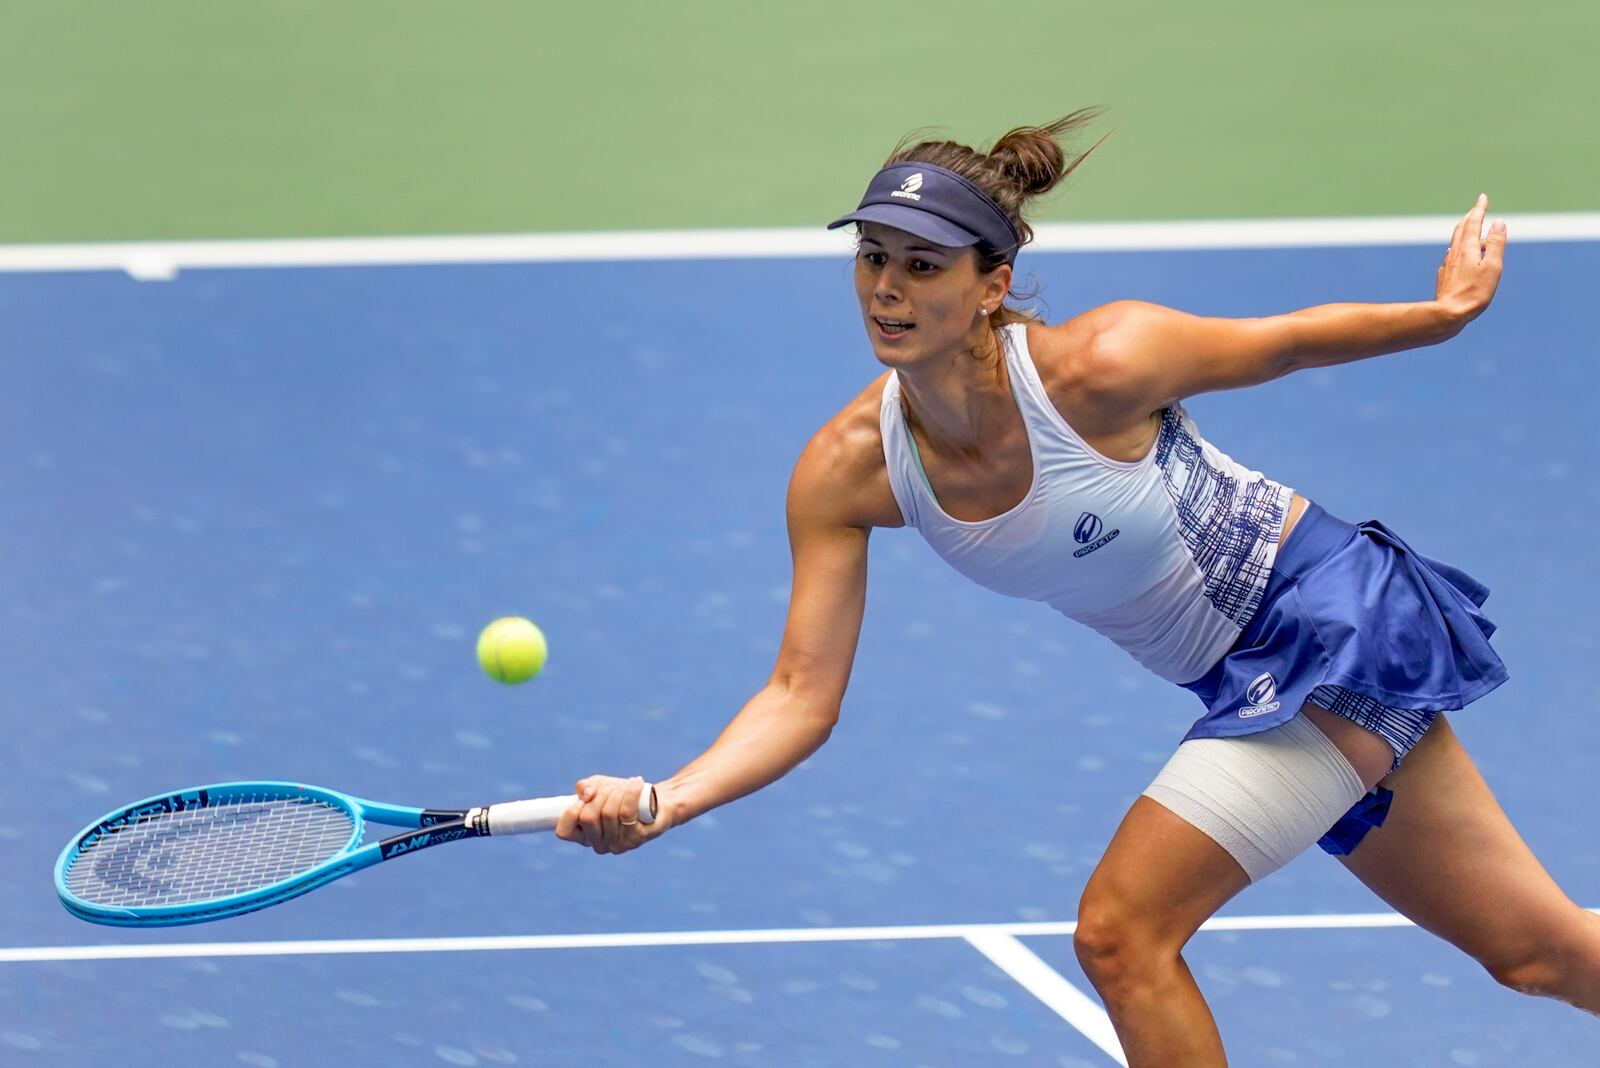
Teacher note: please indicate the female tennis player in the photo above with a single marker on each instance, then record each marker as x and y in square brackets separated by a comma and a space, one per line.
[1058, 463]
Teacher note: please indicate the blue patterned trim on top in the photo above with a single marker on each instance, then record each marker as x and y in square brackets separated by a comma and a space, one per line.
[1230, 527]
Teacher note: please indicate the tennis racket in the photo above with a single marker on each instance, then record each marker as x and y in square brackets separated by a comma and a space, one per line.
[217, 851]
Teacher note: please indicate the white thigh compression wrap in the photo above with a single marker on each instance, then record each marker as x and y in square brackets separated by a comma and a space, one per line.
[1263, 797]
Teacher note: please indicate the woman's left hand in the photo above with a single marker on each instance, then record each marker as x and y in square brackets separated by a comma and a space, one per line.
[1471, 269]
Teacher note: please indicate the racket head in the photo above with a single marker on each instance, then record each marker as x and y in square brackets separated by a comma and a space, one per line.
[208, 852]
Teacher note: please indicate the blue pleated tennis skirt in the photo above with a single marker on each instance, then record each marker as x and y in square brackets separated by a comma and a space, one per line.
[1356, 621]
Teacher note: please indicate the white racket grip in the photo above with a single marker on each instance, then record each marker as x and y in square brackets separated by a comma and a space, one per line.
[526, 817]
[541, 813]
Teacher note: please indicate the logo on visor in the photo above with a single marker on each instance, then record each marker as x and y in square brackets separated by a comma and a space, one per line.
[908, 188]
[1262, 695]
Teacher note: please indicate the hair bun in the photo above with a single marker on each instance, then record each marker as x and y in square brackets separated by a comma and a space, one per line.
[1032, 157]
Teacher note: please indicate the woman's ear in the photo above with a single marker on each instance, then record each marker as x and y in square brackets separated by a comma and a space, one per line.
[996, 286]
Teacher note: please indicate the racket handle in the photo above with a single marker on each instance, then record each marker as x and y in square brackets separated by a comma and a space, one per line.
[541, 813]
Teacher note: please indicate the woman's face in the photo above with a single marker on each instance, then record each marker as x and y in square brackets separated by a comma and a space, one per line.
[921, 300]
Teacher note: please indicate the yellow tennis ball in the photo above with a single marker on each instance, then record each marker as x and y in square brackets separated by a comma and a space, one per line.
[512, 650]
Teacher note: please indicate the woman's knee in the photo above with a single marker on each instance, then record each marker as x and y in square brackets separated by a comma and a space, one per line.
[1542, 963]
[1537, 972]
[1115, 946]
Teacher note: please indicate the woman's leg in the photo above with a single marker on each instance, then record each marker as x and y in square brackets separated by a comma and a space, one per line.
[1159, 880]
[1449, 859]
[1267, 796]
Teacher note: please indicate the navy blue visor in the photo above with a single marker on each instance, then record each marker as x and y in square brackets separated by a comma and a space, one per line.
[936, 205]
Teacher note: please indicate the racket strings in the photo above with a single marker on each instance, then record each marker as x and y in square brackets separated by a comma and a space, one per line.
[232, 846]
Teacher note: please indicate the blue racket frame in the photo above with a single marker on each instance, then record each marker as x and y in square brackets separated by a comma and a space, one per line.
[436, 825]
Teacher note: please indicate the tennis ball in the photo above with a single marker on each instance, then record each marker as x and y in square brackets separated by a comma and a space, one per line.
[512, 650]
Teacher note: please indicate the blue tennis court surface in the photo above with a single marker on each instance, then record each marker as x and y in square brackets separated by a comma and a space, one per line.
[254, 520]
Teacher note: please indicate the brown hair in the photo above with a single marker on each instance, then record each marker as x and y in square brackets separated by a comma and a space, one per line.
[1025, 163]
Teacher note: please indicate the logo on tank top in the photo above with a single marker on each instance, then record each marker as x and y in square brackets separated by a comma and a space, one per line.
[1087, 533]
[908, 188]
[1262, 695]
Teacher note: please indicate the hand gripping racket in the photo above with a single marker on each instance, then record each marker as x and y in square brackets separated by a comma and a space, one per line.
[218, 851]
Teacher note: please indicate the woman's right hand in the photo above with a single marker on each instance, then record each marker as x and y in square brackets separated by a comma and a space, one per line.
[606, 815]
[1471, 269]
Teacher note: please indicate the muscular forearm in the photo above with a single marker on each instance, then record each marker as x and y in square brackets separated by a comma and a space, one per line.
[1466, 282]
[1340, 333]
[772, 733]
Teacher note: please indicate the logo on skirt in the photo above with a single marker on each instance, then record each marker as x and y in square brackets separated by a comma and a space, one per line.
[1262, 695]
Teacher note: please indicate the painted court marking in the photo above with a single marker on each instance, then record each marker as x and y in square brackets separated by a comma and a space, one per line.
[473, 944]
[162, 260]
[996, 941]
[1045, 983]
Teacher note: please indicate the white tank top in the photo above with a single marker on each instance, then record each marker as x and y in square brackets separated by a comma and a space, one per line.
[1167, 556]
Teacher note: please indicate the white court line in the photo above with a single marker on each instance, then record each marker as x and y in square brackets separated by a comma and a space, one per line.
[996, 941]
[1045, 983]
[141, 951]
[160, 260]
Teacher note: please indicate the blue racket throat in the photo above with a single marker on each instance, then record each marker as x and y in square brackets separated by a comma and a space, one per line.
[211, 852]
[401, 844]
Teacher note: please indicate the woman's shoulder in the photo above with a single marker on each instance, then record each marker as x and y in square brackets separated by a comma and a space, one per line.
[1082, 366]
[842, 471]
[1084, 347]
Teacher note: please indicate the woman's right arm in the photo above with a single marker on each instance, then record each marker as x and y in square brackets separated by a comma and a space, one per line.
[793, 714]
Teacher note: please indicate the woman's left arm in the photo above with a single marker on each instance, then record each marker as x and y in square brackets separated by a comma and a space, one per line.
[1151, 356]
